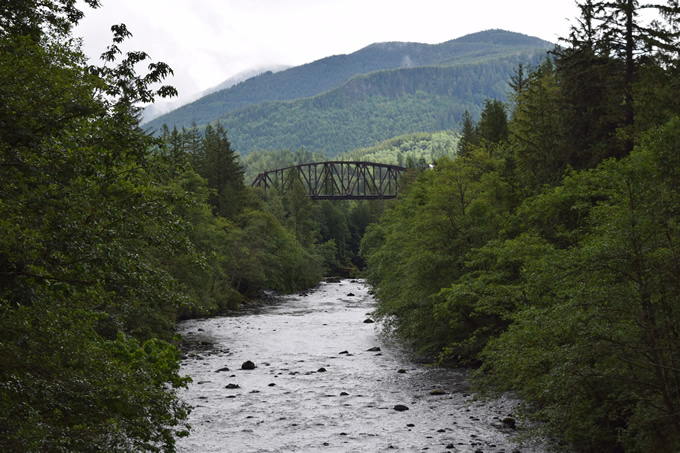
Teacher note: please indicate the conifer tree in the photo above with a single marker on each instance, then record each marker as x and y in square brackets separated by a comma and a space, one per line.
[493, 124]
[468, 135]
[223, 172]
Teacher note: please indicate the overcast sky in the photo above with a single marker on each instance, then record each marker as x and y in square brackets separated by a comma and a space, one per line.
[207, 41]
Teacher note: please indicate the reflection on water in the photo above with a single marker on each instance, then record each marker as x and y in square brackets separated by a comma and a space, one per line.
[324, 380]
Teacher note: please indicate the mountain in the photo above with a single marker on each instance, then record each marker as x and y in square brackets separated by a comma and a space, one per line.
[153, 111]
[343, 102]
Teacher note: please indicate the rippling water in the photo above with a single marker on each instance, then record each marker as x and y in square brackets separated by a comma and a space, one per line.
[321, 384]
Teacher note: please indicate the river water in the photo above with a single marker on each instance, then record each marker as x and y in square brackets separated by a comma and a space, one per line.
[326, 381]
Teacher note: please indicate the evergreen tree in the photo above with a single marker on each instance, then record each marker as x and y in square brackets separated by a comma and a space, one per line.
[223, 172]
[600, 68]
[536, 130]
[193, 143]
[468, 137]
[493, 124]
[518, 82]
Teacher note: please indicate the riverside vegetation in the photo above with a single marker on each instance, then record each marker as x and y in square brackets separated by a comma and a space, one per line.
[545, 251]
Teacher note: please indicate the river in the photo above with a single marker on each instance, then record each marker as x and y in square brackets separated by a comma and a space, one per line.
[325, 380]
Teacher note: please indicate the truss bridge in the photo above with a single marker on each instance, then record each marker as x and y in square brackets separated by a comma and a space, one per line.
[336, 180]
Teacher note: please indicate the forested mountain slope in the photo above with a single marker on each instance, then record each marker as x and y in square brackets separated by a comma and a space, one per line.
[326, 74]
[371, 108]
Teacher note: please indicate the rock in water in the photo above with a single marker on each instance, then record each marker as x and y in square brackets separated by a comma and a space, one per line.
[510, 422]
[248, 365]
[368, 321]
[400, 408]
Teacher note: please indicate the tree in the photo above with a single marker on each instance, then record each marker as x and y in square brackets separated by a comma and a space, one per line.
[518, 83]
[468, 137]
[493, 124]
[84, 217]
[194, 148]
[594, 350]
[536, 133]
[223, 172]
[600, 68]
[35, 19]
[421, 242]
[299, 209]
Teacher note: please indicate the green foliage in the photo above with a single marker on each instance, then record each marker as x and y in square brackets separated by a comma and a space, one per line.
[468, 136]
[85, 220]
[425, 146]
[537, 131]
[493, 123]
[550, 258]
[595, 352]
[67, 389]
[222, 172]
[422, 241]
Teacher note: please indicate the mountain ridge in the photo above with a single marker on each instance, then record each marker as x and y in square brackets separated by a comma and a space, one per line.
[317, 77]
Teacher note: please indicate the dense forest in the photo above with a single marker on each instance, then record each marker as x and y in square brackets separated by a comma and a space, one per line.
[371, 108]
[546, 253]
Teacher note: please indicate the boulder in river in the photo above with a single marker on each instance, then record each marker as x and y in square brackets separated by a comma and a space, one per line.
[248, 365]
[222, 369]
[232, 386]
[350, 295]
[509, 422]
[400, 408]
[374, 349]
[368, 321]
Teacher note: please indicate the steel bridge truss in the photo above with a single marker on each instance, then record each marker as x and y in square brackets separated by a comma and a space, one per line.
[336, 180]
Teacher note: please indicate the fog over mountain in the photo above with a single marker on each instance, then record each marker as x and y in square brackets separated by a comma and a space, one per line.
[153, 111]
